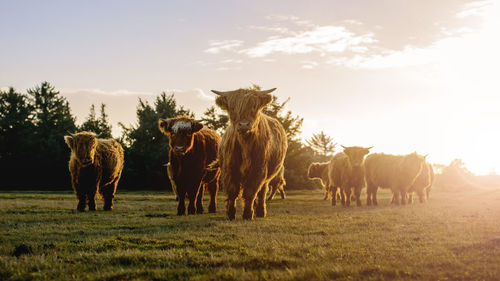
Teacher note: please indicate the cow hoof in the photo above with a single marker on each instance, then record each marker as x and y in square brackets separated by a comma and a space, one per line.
[231, 217]
[199, 211]
[212, 210]
[80, 209]
[108, 209]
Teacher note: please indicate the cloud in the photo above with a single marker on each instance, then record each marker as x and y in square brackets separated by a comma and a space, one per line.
[216, 46]
[321, 39]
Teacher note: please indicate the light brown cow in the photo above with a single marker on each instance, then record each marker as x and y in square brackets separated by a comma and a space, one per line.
[252, 150]
[347, 172]
[321, 171]
[422, 184]
[396, 172]
[95, 166]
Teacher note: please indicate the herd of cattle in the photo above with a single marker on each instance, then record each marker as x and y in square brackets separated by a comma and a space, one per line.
[247, 160]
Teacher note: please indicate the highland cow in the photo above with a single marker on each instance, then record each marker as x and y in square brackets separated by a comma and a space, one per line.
[321, 171]
[252, 150]
[347, 172]
[192, 148]
[95, 166]
[278, 184]
[396, 172]
[422, 184]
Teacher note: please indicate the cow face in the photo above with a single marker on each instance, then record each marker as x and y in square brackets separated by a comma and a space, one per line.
[83, 145]
[315, 170]
[180, 131]
[356, 154]
[244, 107]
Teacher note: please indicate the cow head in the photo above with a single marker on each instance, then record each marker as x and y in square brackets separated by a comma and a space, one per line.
[356, 154]
[180, 131]
[316, 170]
[83, 145]
[244, 107]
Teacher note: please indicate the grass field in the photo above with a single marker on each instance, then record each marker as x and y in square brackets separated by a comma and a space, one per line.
[454, 236]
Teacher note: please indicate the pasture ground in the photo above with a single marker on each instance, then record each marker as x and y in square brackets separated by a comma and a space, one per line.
[454, 236]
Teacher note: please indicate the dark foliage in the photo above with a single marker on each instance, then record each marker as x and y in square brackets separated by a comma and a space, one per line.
[146, 148]
[97, 125]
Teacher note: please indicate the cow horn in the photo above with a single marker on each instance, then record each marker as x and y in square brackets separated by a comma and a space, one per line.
[224, 94]
[98, 135]
[425, 156]
[267, 91]
[73, 135]
[369, 147]
[343, 146]
[197, 121]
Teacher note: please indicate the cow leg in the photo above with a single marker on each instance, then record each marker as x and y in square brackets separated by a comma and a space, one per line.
[395, 197]
[410, 197]
[403, 197]
[369, 192]
[357, 193]
[260, 202]
[199, 198]
[342, 196]
[108, 193]
[421, 196]
[326, 194]
[347, 193]
[91, 197]
[181, 206]
[82, 201]
[274, 188]
[334, 195]
[192, 202]
[427, 190]
[249, 195]
[213, 188]
[282, 192]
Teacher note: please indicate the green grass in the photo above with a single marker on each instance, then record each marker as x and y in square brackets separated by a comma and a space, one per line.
[454, 236]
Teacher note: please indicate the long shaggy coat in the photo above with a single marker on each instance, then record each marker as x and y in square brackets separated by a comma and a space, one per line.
[192, 148]
[95, 166]
[252, 150]
[395, 172]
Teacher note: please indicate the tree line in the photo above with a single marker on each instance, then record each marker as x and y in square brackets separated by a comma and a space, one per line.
[33, 154]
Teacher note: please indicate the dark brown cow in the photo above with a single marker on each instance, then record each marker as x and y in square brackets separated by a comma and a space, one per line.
[95, 166]
[192, 148]
[252, 150]
[278, 184]
[396, 172]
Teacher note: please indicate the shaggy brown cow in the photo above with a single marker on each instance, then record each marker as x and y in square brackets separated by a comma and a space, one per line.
[422, 184]
[347, 172]
[252, 149]
[192, 148]
[278, 184]
[396, 172]
[321, 171]
[95, 166]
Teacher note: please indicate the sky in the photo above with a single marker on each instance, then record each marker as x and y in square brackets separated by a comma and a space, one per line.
[399, 75]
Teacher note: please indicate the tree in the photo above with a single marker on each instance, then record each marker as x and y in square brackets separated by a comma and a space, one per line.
[52, 120]
[146, 148]
[215, 120]
[97, 125]
[16, 131]
[322, 144]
